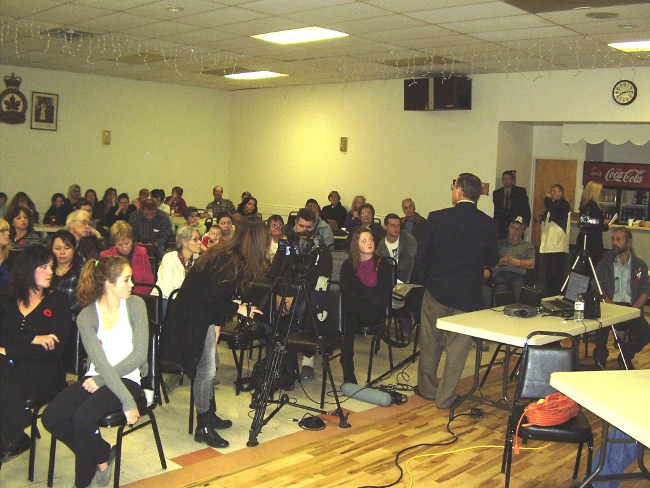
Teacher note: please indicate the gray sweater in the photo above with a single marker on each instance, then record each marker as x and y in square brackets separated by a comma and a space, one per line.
[111, 376]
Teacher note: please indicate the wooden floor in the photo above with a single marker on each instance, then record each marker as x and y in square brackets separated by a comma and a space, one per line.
[365, 454]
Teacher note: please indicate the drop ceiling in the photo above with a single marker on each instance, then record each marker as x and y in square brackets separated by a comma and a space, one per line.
[388, 39]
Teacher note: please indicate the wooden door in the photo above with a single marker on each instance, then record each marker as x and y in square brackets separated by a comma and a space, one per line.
[548, 172]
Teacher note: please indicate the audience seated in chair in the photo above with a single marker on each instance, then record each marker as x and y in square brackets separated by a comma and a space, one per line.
[275, 223]
[121, 211]
[176, 202]
[21, 199]
[175, 265]
[56, 214]
[334, 211]
[323, 232]
[219, 204]
[35, 321]
[136, 255]
[367, 221]
[247, 208]
[67, 267]
[352, 220]
[143, 195]
[89, 240]
[151, 228]
[191, 216]
[21, 229]
[412, 222]
[366, 284]
[517, 257]
[114, 330]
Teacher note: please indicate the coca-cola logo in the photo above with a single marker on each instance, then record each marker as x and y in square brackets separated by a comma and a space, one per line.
[621, 176]
[596, 173]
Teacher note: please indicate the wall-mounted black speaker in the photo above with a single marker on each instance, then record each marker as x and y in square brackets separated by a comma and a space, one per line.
[418, 94]
[424, 94]
[453, 93]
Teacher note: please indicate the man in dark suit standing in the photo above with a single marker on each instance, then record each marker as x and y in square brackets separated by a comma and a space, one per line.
[510, 202]
[456, 246]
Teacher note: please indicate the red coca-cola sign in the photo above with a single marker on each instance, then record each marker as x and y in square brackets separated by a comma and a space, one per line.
[617, 174]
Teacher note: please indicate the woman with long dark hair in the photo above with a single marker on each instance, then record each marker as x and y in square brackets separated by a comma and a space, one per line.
[114, 330]
[247, 208]
[56, 214]
[34, 323]
[366, 285]
[67, 267]
[203, 305]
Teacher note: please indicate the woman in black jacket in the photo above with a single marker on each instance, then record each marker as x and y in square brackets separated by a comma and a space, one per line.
[366, 285]
[35, 321]
[204, 303]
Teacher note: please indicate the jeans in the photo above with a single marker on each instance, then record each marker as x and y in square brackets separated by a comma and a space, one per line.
[619, 457]
[206, 370]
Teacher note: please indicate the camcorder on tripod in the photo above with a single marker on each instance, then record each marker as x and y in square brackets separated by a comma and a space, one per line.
[296, 312]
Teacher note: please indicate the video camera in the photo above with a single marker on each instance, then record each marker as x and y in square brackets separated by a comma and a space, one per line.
[587, 222]
[301, 250]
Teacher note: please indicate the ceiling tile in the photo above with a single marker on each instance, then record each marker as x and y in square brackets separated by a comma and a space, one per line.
[497, 24]
[338, 13]
[467, 12]
[70, 14]
[283, 7]
[215, 18]
[156, 10]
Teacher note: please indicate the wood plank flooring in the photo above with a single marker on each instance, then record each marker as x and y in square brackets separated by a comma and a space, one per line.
[364, 455]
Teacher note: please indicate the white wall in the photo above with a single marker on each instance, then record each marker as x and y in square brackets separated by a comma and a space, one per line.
[627, 153]
[285, 142]
[515, 147]
[162, 135]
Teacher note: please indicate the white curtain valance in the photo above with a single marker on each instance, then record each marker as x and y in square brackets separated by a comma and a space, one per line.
[638, 134]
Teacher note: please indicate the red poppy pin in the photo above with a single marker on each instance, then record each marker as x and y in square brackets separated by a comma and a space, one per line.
[47, 312]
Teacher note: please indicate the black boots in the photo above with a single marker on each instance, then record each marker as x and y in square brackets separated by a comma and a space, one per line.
[216, 421]
[205, 432]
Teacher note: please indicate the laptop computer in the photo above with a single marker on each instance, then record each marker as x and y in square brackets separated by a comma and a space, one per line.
[577, 284]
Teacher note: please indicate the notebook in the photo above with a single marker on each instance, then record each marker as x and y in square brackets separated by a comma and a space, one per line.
[577, 284]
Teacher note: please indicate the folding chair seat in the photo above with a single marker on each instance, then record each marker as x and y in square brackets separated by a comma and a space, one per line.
[533, 383]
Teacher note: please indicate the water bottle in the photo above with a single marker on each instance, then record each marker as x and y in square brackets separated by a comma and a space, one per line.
[579, 307]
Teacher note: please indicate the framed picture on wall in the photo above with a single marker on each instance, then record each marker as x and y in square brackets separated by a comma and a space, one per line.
[45, 110]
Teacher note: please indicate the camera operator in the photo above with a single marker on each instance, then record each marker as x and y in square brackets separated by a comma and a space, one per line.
[300, 260]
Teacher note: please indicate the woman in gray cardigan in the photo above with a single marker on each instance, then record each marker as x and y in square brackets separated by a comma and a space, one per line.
[114, 331]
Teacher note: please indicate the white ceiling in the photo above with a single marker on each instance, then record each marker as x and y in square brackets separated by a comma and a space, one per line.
[389, 39]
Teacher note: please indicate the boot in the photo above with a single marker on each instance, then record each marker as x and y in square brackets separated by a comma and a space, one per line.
[205, 432]
[216, 421]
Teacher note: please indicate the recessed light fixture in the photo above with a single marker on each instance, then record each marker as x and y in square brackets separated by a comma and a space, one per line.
[580, 8]
[173, 8]
[255, 75]
[602, 15]
[631, 46]
[296, 36]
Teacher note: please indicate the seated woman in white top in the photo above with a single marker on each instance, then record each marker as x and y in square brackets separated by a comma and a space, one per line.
[176, 264]
[114, 330]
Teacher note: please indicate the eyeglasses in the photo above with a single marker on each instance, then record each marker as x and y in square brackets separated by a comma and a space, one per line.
[366, 213]
[276, 224]
[83, 222]
[4, 230]
[452, 186]
[195, 239]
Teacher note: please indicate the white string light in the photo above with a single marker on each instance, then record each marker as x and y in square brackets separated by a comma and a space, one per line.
[508, 58]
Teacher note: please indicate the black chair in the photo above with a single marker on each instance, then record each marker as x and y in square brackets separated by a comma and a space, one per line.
[73, 361]
[169, 367]
[35, 406]
[325, 345]
[155, 315]
[291, 218]
[533, 382]
[241, 340]
[381, 330]
[117, 418]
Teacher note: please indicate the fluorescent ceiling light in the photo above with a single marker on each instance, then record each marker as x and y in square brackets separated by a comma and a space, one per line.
[631, 46]
[295, 36]
[255, 75]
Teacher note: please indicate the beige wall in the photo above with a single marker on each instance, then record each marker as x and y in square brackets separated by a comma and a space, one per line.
[283, 144]
[162, 135]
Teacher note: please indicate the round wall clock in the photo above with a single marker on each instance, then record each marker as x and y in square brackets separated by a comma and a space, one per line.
[624, 92]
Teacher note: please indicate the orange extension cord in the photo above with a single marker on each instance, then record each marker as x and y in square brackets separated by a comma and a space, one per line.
[555, 409]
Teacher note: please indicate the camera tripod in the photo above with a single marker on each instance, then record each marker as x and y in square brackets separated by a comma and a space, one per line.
[263, 395]
[584, 258]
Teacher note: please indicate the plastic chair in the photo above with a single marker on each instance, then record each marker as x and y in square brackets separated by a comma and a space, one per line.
[533, 382]
[117, 418]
